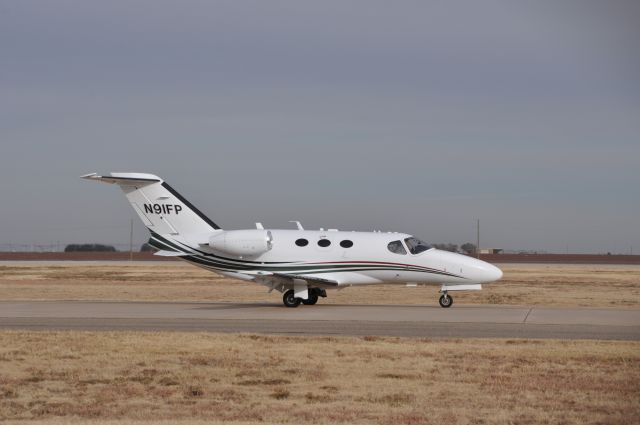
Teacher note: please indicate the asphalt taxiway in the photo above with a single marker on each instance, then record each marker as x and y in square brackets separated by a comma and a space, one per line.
[461, 321]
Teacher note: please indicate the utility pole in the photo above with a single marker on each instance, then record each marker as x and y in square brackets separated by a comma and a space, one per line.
[478, 241]
[131, 242]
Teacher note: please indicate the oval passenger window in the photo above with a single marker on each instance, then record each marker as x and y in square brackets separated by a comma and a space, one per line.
[302, 242]
[346, 243]
[324, 243]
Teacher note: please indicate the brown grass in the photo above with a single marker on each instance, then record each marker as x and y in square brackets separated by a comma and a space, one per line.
[80, 377]
[530, 284]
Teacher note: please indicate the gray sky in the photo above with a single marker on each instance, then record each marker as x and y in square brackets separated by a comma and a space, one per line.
[408, 116]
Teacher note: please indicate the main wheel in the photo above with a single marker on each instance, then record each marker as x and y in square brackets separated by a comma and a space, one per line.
[313, 298]
[289, 299]
[446, 301]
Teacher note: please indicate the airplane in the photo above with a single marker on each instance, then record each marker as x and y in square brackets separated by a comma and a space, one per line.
[301, 264]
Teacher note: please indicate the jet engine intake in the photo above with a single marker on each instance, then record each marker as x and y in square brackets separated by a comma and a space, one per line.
[242, 242]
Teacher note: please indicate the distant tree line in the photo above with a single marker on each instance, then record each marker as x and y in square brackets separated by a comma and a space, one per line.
[446, 246]
[96, 247]
[89, 247]
[466, 248]
[147, 248]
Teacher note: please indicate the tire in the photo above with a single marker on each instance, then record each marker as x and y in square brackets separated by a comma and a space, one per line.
[289, 299]
[446, 301]
[313, 298]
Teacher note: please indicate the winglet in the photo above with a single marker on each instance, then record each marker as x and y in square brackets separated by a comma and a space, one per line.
[124, 178]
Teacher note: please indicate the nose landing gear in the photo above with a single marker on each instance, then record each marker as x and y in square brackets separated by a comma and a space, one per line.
[445, 300]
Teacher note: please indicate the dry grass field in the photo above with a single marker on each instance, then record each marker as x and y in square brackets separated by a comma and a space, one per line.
[123, 377]
[118, 378]
[522, 284]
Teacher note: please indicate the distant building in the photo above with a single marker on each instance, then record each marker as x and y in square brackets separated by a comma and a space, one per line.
[490, 250]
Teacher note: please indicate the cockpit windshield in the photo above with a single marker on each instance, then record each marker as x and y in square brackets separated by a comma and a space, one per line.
[397, 248]
[416, 246]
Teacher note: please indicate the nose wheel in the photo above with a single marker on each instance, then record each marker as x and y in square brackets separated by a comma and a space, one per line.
[445, 300]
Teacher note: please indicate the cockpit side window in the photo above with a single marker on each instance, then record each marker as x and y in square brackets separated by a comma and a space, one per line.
[397, 248]
[416, 246]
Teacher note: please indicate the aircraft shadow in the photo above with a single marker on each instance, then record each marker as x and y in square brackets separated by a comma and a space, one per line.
[279, 306]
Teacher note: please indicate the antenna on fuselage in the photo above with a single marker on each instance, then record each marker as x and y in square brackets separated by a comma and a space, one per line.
[297, 224]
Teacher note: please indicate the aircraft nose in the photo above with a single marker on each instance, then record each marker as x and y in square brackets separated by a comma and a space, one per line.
[471, 269]
[486, 272]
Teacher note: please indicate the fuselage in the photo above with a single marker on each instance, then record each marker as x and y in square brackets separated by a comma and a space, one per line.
[348, 258]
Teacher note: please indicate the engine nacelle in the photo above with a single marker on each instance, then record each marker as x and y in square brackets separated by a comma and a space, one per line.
[242, 242]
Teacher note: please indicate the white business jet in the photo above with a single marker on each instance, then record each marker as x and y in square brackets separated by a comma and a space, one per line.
[301, 264]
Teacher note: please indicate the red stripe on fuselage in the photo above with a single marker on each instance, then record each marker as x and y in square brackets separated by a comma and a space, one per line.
[377, 262]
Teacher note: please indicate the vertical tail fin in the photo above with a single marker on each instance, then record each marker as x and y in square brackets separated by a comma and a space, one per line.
[159, 206]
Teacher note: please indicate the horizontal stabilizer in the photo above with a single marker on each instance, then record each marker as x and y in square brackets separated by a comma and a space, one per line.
[124, 178]
[170, 254]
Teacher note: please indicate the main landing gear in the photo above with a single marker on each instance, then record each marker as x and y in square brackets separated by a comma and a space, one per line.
[446, 300]
[313, 298]
[289, 298]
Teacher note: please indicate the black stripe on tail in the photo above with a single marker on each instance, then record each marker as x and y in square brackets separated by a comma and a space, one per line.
[190, 205]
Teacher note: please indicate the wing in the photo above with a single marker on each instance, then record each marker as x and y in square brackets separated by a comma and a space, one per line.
[312, 280]
[284, 281]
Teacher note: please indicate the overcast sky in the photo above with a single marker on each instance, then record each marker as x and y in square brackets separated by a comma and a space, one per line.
[409, 116]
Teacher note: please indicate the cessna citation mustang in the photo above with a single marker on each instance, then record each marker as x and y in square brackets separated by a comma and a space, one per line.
[301, 264]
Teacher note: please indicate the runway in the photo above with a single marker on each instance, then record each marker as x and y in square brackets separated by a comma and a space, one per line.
[461, 321]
